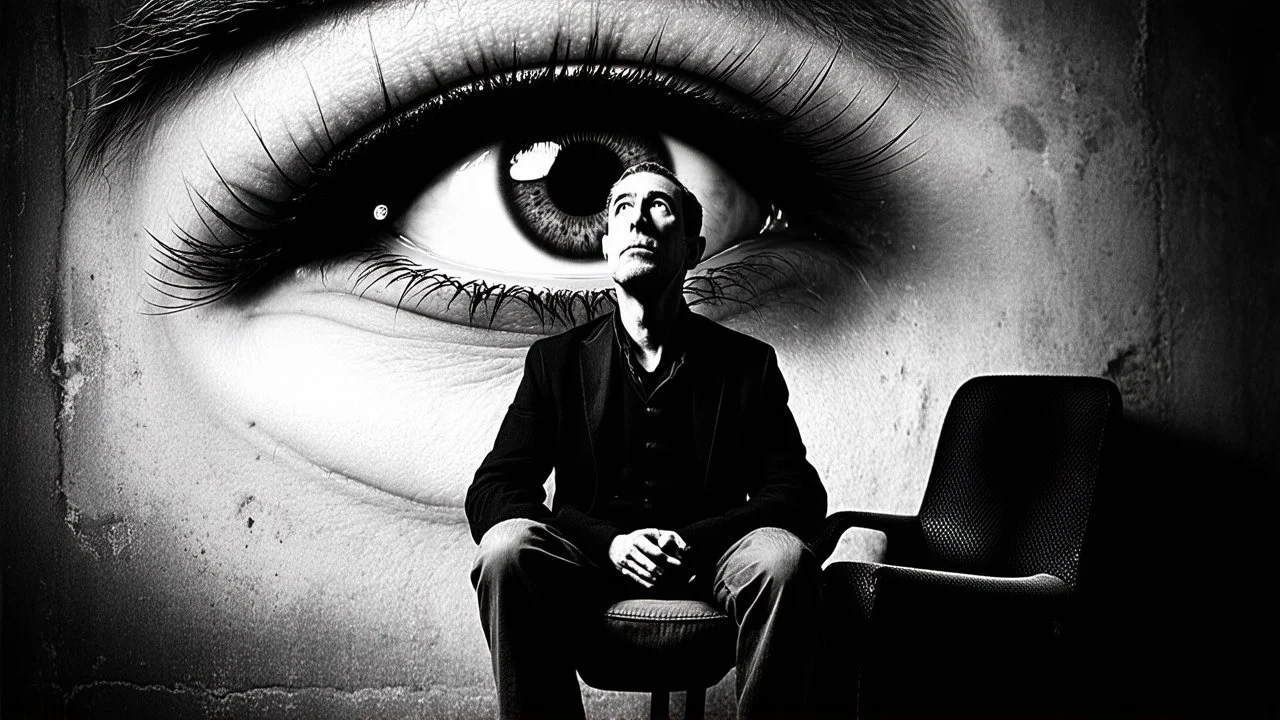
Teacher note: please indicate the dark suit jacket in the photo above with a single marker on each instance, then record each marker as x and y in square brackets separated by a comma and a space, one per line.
[750, 458]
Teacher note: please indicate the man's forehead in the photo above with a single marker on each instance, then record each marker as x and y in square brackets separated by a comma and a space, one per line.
[644, 182]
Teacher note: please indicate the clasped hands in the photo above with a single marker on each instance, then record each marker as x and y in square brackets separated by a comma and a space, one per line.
[651, 557]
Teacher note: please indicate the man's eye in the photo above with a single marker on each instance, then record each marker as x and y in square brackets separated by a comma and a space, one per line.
[533, 211]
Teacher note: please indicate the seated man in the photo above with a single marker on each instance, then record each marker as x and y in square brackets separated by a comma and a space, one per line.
[679, 473]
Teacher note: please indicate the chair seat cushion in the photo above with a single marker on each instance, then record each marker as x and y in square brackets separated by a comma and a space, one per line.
[642, 645]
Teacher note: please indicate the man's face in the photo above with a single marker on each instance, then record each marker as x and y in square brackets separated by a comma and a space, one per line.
[645, 245]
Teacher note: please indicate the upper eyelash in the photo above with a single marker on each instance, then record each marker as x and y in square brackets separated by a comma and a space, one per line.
[208, 269]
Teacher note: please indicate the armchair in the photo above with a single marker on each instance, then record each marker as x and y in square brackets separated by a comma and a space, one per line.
[964, 615]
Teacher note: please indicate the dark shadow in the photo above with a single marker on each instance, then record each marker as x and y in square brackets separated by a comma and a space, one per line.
[1177, 604]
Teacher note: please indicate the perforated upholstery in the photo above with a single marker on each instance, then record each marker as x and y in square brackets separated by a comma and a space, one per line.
[1014, 475]
[983, 574]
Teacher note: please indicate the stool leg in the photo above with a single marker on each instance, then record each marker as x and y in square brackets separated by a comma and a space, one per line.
[660, 706]
[695, 703]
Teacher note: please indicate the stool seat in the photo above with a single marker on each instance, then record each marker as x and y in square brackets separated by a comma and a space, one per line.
[643, 645]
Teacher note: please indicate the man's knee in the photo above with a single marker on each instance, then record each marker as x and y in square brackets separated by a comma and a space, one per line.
[776, 556]
[503, 547]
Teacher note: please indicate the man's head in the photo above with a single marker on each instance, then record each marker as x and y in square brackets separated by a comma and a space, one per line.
[653, 236]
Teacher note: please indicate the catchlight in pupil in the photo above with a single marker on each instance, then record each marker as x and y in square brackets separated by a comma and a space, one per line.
[556, 187]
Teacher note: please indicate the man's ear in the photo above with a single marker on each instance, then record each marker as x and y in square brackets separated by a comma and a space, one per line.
[604, 243]
[697, 246]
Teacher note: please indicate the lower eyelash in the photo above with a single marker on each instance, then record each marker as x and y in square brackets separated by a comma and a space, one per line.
[551, 306]
[742, 283]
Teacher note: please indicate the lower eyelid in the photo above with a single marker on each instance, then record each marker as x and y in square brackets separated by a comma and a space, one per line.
[735, 281]
[395, 281]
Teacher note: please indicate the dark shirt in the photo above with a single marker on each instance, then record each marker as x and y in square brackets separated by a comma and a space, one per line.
[652, 479]
[673, 357]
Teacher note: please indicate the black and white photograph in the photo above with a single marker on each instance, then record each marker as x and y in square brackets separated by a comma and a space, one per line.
[373, 359]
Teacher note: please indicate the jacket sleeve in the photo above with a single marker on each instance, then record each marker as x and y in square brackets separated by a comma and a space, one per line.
[591, 534]
[783, 488]
[509, 483]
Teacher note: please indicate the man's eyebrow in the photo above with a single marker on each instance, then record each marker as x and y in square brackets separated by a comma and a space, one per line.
[164, 44]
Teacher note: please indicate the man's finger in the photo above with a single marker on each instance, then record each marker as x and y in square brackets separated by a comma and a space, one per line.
[627, 571]
[639, 559]
[643, 571]
[646, 546]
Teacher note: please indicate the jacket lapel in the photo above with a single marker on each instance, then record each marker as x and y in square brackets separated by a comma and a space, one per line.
[595, 365]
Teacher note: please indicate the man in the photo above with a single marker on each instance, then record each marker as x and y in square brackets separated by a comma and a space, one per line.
[679, 472]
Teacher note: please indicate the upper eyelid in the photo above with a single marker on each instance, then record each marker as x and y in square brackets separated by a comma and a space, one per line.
[928, 43]
[375, 55]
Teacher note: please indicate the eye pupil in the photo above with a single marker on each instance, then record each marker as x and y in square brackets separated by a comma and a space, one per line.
[579, 180]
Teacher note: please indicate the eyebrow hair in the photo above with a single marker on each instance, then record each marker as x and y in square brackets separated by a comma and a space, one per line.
[163, 47]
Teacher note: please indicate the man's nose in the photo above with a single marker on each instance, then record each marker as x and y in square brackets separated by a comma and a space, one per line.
[642, 221]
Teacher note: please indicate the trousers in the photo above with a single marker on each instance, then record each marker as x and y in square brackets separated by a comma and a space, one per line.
[535, 589]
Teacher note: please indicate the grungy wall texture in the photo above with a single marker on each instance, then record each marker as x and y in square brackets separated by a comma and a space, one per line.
[155, 568]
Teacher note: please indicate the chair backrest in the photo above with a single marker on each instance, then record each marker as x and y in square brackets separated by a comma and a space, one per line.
[1014, 475]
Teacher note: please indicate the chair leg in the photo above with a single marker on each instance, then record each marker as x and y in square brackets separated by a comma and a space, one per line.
[695, 703]
[660, 706]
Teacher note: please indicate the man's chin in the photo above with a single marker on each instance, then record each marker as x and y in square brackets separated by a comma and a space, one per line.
[641, 282]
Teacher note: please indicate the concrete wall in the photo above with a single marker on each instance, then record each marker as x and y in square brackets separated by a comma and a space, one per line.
[160, 564]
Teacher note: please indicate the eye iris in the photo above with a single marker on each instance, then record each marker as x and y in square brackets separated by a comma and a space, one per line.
[557, 187]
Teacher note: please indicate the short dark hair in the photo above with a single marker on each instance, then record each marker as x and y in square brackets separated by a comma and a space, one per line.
[690, 206]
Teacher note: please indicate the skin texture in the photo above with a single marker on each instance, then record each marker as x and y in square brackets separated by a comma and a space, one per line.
[253, 508]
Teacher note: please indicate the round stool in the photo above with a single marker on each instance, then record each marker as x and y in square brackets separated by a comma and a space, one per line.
[656, 646]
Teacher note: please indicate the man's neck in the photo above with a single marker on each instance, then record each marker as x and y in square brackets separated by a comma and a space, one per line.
[649, 324]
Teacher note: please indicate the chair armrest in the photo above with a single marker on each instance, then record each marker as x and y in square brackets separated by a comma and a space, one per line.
[901, 529]
[1040, 585]
[951, 589]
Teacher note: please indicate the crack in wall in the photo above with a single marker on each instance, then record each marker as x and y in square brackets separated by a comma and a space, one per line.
[58, 321]
[223, 693]
[1162, 339]
[476, 697]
